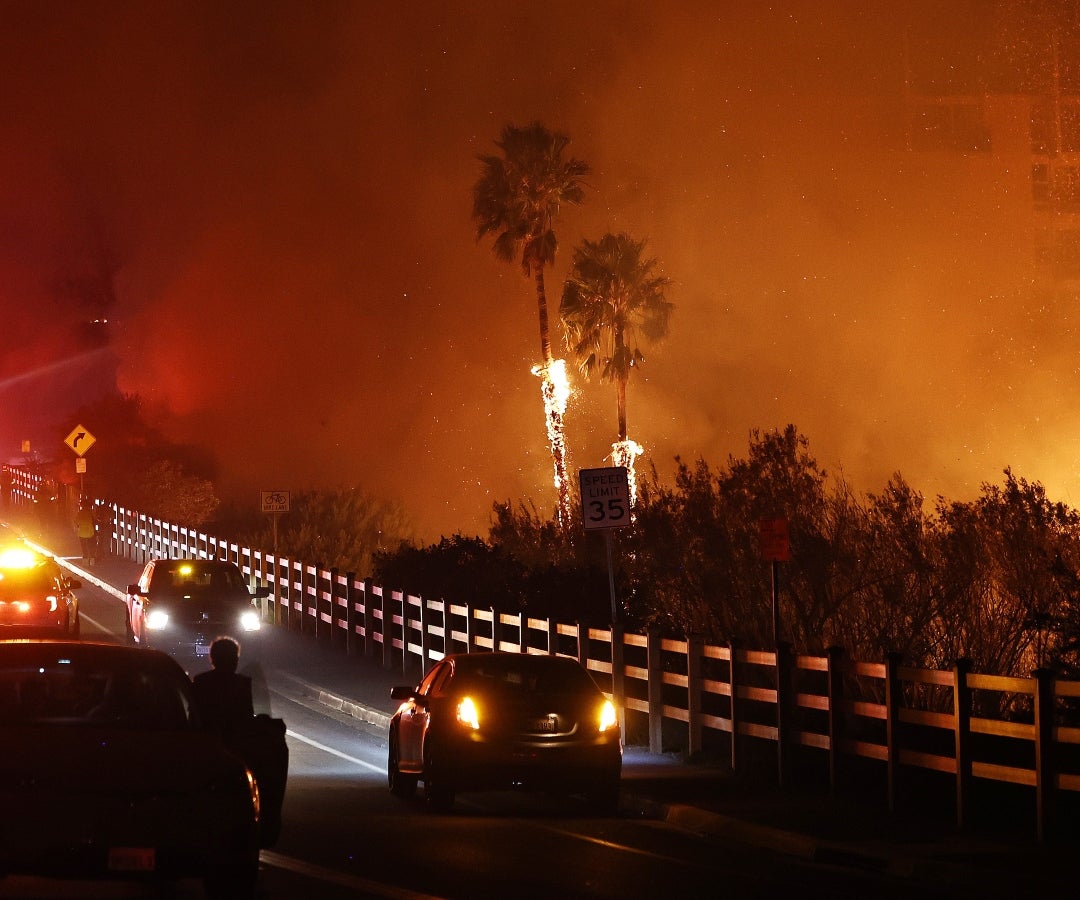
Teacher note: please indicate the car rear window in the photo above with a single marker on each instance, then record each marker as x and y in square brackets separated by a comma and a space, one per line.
[542, 675]
[21, 581]
[73, 695]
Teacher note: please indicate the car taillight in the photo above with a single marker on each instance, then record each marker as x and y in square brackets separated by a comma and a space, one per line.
[608, 718]
[253, 789]
[467, 713]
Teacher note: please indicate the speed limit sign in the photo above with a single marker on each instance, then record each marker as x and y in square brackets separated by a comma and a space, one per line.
[605, 497]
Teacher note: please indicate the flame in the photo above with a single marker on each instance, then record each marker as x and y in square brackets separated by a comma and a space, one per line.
[555, 389]
[623, 453]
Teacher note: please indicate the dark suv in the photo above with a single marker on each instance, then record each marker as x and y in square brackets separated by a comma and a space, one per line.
[181, 605]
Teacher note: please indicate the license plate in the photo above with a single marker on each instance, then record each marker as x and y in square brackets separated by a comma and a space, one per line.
[202, 649]
[544, 726]
[131, 859]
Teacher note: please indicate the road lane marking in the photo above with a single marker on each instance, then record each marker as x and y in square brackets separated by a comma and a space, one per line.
[620, 848]
[326, 749]
[354, 882]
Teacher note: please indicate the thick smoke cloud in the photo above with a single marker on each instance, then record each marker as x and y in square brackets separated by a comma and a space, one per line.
[272, 201]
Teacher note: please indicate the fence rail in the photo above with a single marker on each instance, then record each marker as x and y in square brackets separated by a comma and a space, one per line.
[685, 693]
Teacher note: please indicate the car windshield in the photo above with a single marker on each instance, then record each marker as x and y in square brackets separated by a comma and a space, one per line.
[72, 693]
[189, 579]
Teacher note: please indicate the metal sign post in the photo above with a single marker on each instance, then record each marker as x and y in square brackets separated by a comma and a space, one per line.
[275, 503]
[605, 504]
[775, 541]
[775, 548]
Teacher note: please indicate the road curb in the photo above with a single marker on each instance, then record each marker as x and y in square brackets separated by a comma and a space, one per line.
[717, 825]
[377, 721]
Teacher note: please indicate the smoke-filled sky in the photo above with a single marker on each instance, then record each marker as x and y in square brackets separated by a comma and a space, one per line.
[272, 203]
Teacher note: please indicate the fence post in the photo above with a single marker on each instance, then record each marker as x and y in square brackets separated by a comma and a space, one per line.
[301, 572]
[470, 628]
[835, 676]
[350, 615]
[552, 636]
[1044, 747]
[695, 739]
[582, 644]
[425, 638]
[496, 630]
[785, 668]
[404, 612]
[655, 691]
[368, 620]
[962, 721]
[733, 649]
[284, 569]
[618, 676]
[893, 703]
[385, 604]
[331, 602]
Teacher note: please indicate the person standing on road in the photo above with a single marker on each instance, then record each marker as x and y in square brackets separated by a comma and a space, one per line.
[222, 695]
[86, 529]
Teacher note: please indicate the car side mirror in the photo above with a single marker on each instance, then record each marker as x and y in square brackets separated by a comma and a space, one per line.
[261, 593]
[402, 692]
[74, 584]
[133, 589]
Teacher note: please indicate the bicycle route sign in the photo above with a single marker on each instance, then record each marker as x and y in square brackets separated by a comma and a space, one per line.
[275, 501]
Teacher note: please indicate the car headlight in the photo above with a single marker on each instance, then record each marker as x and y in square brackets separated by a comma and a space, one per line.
[608, 717]
[157, 619]
[250, 621]
[467, 713]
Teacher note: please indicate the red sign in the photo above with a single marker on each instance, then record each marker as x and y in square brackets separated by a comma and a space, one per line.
[775, 540]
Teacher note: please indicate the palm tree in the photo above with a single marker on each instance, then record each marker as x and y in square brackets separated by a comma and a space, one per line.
[611, 296]
[517, 198]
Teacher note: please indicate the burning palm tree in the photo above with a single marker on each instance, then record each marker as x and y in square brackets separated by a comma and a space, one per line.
[611, 296]
[517, 198]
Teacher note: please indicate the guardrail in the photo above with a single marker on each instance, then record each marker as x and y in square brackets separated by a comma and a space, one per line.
[967, 726]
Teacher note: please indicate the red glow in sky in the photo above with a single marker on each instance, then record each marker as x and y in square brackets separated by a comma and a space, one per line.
[283, 193]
